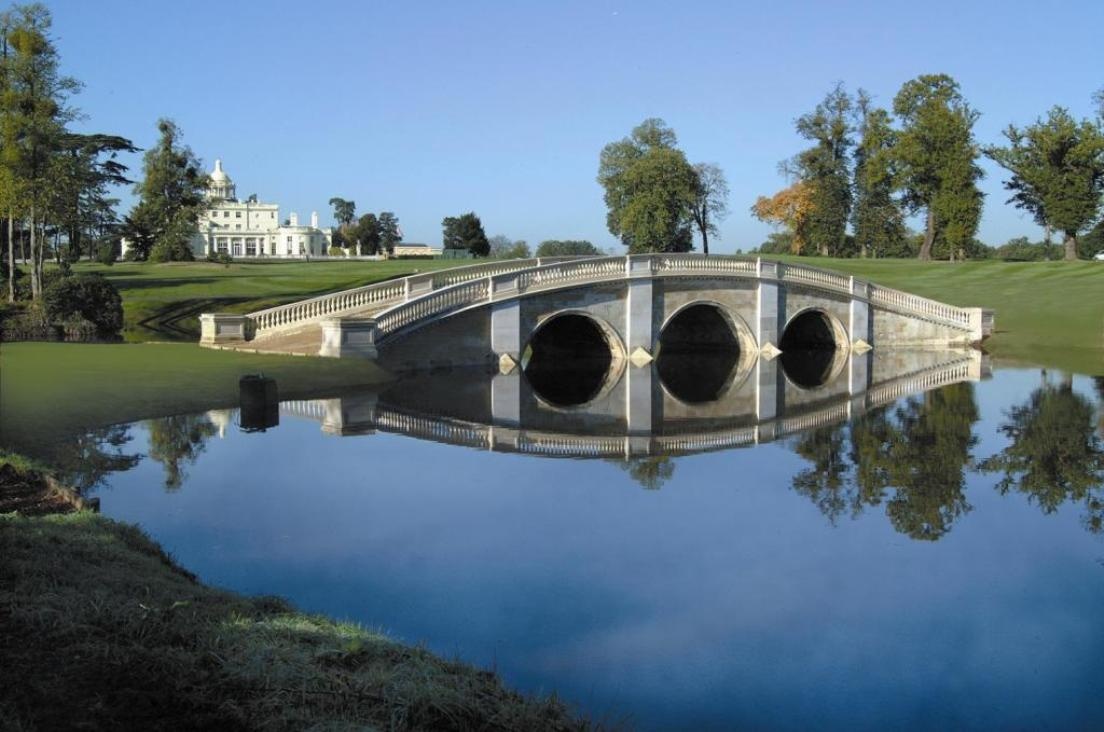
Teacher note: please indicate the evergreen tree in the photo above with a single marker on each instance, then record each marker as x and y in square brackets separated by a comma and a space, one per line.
[466, 232]
[171, 199]
[389, 233]
[936, 157]
[877, 218]
[368, 234]
[33, 113]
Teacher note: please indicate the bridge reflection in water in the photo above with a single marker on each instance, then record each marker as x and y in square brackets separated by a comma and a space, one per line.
[677, 405]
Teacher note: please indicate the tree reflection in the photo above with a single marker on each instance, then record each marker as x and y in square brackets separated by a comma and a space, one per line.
[85, 461]
[826, 483]
[178, 441]
[1054, 454]
[913, 458]
[928, 453]
[650, 472]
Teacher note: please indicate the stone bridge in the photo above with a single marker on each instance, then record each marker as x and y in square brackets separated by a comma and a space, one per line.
[633, 307]
[637, 414]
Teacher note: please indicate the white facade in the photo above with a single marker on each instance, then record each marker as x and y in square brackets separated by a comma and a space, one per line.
[252, 229]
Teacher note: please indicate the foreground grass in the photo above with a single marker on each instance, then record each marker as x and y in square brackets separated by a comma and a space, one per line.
[99, 629]
[164, 301]
[51, 390]
[1048, 313]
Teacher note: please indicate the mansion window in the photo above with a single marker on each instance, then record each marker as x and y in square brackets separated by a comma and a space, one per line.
[237, 227]
[250, 247]
[222, 245]
[225, 214]
[237, 214]
[237, 248]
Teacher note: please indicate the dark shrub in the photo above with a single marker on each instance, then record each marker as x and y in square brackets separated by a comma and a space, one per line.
[105, 253]
[86, 296]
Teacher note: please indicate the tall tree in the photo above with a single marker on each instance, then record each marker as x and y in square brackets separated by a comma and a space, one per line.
[85, 172]
[710, 201]
[171, 197]
[825, 166]
[877, 219]
[34, 113]
[389, 232]
[650, 190]
[789, 208]
[937, 160]
[1057, 168]
[368, 234]
[344, 211]
[465, 232]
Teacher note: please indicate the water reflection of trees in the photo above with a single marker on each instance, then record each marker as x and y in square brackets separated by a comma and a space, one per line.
[85, 461]
[176, 442]
[912, 458]
[1054, 454]
[650, 472]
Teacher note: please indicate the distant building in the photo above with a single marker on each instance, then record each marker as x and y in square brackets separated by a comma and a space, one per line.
[415, 250]
[252, 229]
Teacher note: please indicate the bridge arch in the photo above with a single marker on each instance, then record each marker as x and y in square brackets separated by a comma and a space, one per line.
[703, 350]
[814, 348]
[814, 328]
[741, 332]
[572, 358]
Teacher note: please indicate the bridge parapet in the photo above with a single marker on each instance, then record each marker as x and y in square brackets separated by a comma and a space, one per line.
[296, 314]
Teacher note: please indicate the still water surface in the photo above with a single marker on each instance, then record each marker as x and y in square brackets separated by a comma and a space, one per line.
[933, 562]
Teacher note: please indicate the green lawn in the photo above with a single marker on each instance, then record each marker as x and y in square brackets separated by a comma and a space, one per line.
[163, 301]
[52, 390]
[1048, 313]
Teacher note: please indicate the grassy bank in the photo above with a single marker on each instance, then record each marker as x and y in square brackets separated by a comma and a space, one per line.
[164, 301]
[50, 390]
[1048, 313]
[99, 629]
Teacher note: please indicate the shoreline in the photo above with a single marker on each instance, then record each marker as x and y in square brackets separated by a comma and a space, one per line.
[106, 629]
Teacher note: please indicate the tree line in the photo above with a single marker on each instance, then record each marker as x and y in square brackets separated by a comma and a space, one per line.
[868, 168]
[54, 183]
[370, 234]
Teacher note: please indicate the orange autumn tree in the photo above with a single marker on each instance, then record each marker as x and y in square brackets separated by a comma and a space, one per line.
[789, 208]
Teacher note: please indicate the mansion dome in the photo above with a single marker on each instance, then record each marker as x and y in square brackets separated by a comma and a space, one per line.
[221, 186]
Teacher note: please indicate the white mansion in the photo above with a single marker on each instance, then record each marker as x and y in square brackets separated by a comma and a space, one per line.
[252, 229]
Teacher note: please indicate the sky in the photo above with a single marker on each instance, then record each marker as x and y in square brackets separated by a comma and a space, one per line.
[432, 109]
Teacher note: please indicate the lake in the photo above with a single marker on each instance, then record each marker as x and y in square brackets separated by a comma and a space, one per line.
[759, 550]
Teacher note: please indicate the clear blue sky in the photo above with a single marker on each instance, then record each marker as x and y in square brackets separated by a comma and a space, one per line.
[433, 109]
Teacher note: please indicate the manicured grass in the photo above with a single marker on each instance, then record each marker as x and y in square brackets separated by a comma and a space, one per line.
[99, 629]
[52, 390]
[1047, 313]
[164, 301]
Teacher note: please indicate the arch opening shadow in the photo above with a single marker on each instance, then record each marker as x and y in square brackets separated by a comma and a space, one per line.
[698, 354]
[809, 347]
[568, 360]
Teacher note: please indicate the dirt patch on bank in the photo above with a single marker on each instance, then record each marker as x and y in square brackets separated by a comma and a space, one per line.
[32, 493]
